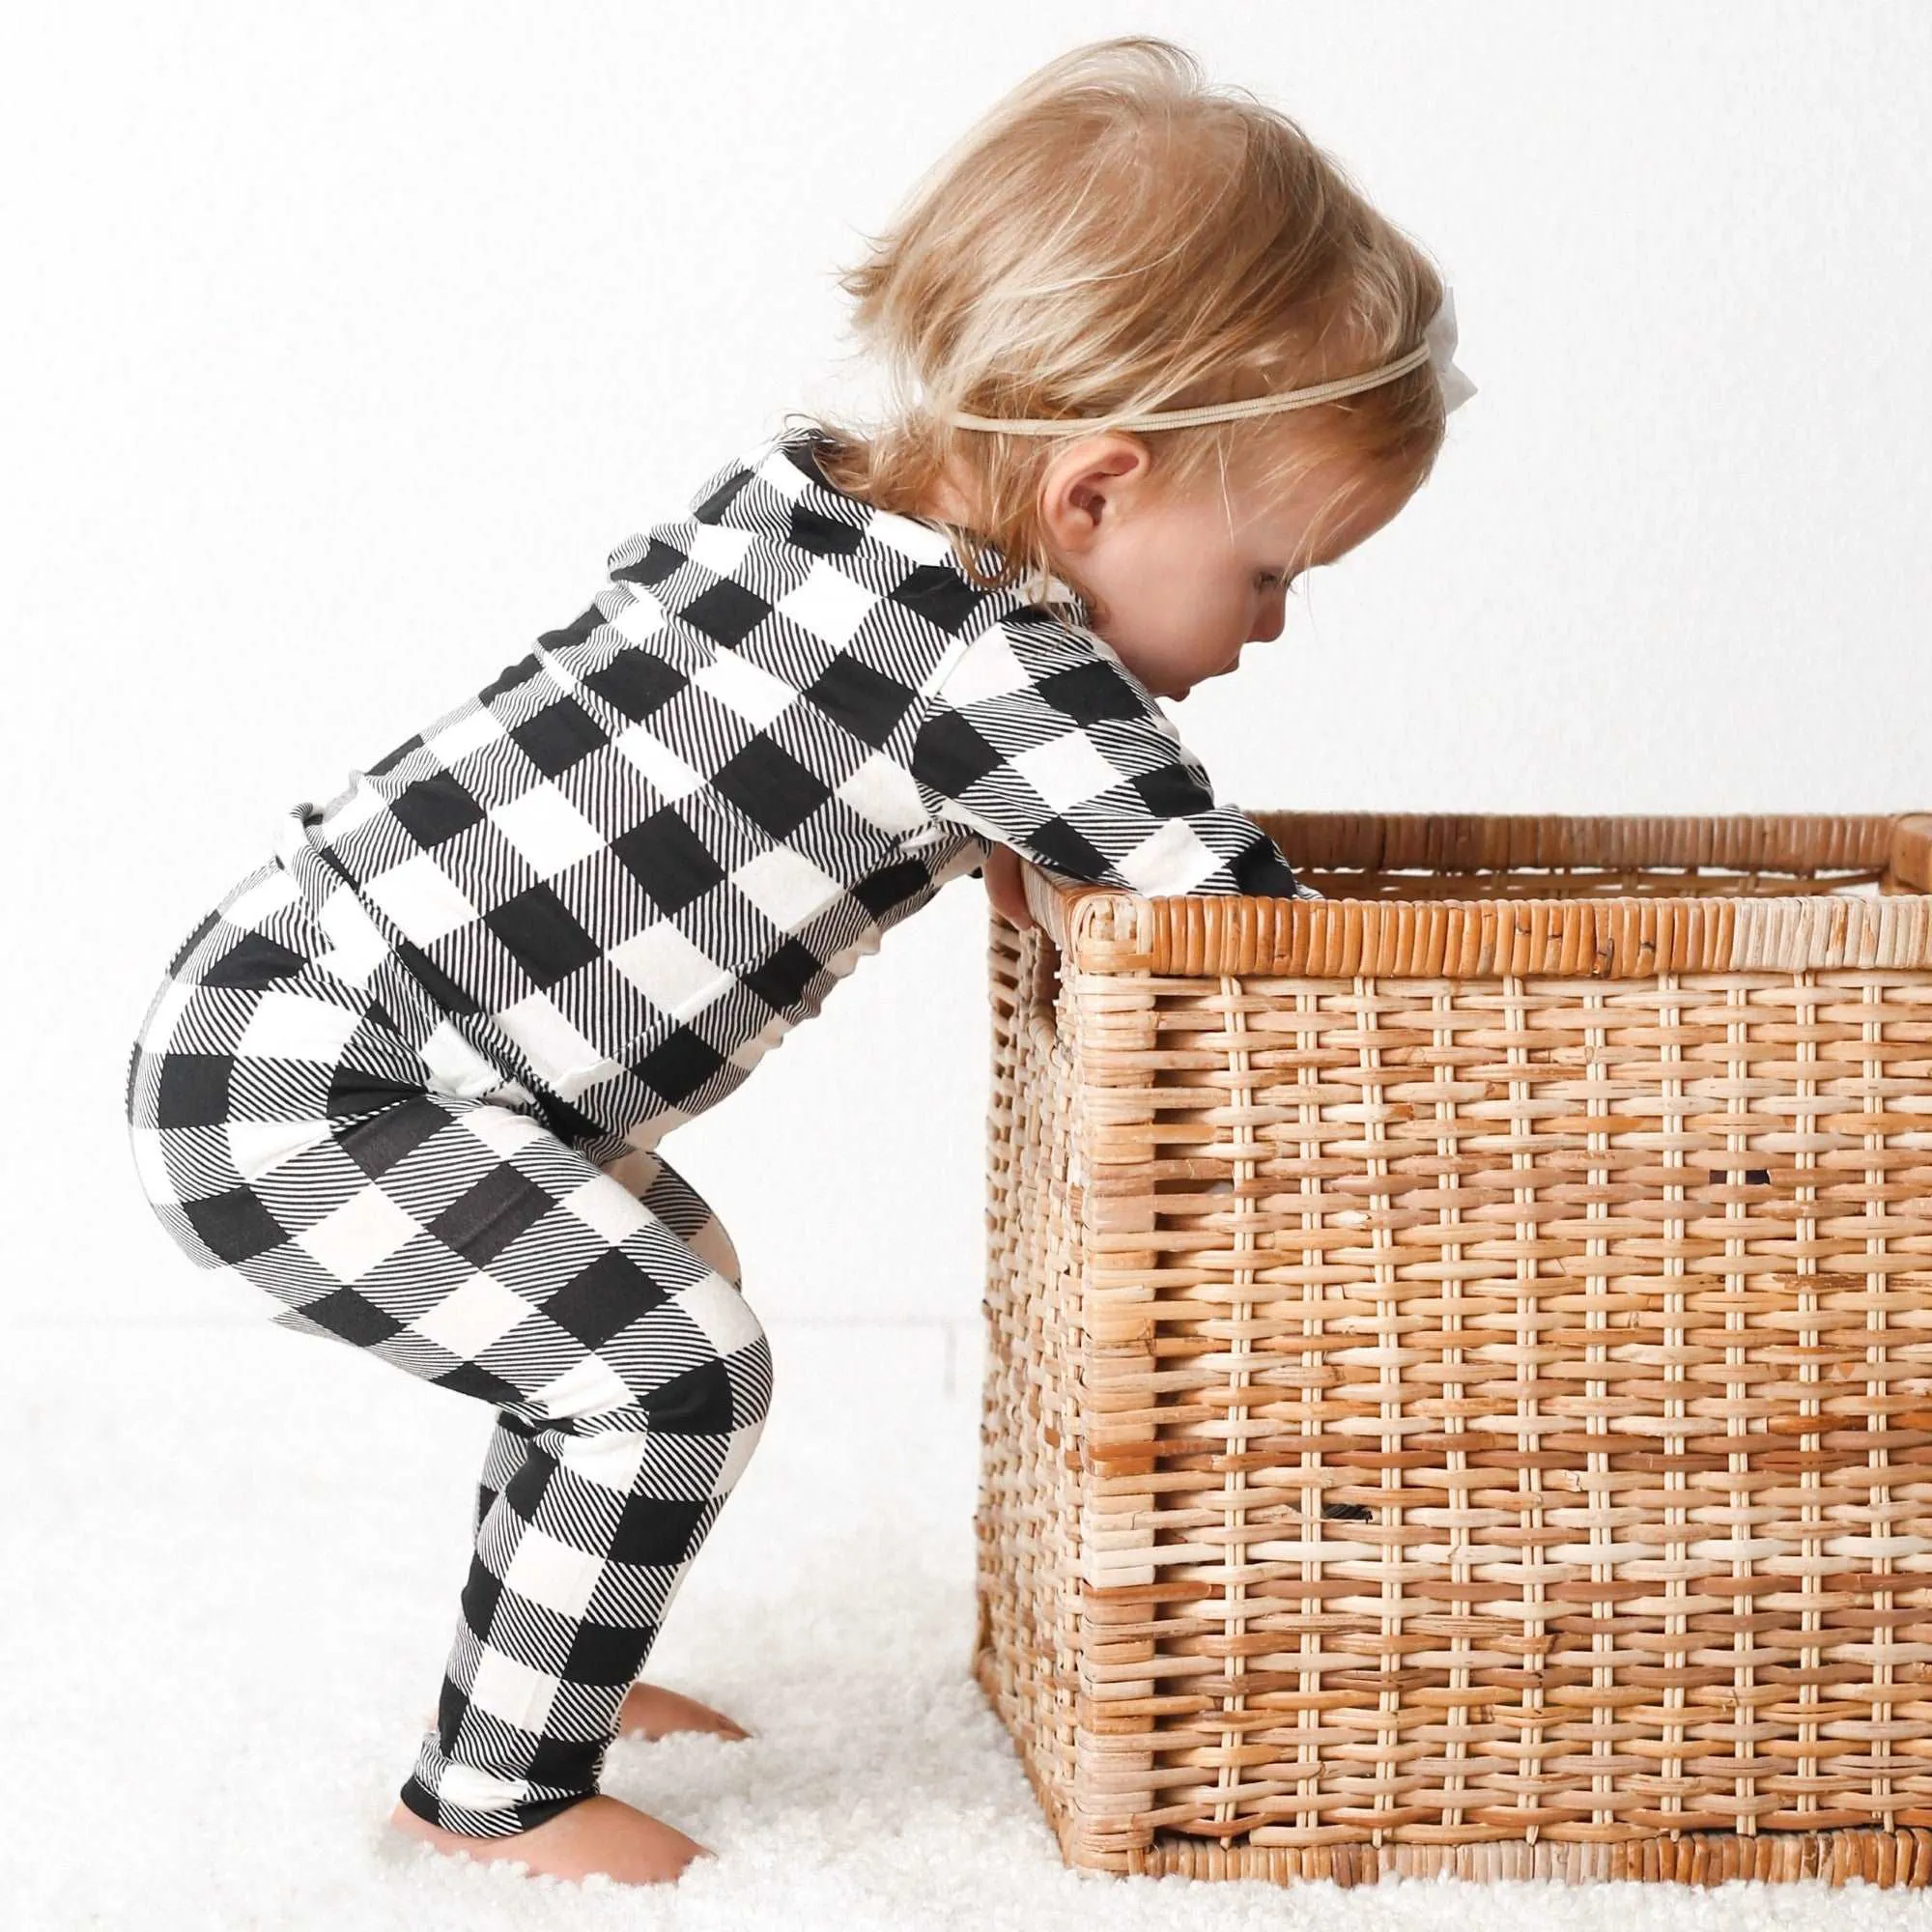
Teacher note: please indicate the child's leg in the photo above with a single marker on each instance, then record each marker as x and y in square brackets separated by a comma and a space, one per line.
[509, 1444]
[642, 1378]
[665, 1192]
[282, 1131]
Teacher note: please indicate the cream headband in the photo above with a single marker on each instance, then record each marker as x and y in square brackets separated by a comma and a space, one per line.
[1438, 347]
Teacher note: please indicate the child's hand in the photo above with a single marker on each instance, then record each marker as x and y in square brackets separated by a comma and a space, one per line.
[1002, 870]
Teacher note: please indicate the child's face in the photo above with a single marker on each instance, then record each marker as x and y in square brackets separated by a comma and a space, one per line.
[1177, 587]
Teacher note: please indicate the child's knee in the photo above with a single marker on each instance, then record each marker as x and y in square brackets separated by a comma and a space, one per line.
[733, 1389]
[696, 1362]
[712, 1245]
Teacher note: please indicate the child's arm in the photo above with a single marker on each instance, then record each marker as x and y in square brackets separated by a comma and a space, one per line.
[1036, 739]
[1004, 887]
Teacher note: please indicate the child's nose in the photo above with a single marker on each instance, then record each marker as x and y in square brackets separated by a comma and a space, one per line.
[1268, 625]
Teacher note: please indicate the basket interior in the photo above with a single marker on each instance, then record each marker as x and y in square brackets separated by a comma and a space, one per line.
[1426, 856]
[1582, 883]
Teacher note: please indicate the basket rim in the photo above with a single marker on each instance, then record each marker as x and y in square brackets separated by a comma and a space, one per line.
[1104, 929]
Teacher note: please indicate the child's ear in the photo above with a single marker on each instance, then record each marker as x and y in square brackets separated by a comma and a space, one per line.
[1088, 482]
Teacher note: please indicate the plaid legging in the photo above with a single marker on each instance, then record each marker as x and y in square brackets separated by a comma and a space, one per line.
[301, 1116]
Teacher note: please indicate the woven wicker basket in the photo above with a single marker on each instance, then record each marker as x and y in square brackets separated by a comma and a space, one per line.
[1458, 1387]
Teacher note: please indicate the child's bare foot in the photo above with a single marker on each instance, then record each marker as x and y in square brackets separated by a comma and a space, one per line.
[650, 1711]
[598, 1834]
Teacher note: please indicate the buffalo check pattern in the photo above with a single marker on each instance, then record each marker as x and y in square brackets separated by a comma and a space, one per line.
[318, 1137]
[655, 843]
[406, 1079]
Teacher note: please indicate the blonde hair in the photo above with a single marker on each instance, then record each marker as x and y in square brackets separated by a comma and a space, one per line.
[1115, 237]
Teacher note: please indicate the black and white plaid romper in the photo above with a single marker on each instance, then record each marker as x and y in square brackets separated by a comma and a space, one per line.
[408, 1076]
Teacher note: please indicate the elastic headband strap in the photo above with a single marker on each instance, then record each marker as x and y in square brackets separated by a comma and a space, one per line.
[1253, 406]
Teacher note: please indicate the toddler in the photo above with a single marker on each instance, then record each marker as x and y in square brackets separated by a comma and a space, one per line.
[1152, 356]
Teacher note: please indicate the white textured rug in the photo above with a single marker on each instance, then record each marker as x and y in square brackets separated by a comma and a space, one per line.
[229, 1563]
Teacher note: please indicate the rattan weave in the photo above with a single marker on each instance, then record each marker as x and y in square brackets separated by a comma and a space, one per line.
[1458, 1382]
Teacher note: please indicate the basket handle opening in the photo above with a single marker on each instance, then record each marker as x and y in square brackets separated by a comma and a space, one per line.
[1040, 968]
[1912, 851]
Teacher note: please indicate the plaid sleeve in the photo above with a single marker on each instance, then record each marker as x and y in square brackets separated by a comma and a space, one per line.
[1037, 739]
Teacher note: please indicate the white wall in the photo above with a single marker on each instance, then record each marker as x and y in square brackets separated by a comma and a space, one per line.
[346, 340]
